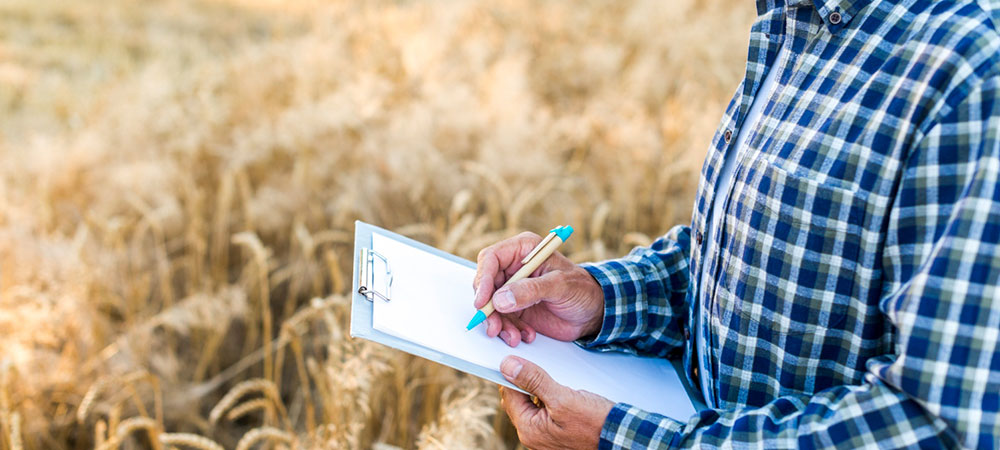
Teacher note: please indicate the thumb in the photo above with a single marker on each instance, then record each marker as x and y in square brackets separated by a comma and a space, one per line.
[531, 378]
[524, 293]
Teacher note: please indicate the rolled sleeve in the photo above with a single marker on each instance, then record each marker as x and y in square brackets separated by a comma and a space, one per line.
[645, 304]
[629, 427]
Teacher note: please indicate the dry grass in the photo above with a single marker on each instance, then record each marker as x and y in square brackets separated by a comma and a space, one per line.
[180, 180]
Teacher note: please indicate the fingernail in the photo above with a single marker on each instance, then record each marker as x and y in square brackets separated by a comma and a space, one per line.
[505, 336]
[510, 367]
[504, 300]
[524, 336]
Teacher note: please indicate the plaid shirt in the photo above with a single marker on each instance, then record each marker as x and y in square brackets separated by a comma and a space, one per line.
[852, 298]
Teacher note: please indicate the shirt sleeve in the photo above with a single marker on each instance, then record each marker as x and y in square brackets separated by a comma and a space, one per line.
[644, 297]
[941, 387]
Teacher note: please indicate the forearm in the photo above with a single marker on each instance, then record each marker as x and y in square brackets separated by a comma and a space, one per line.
[644, 297]
[871, 415]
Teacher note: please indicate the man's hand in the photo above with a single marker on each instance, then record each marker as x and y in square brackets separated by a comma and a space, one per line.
[560, 299]
[566, 418]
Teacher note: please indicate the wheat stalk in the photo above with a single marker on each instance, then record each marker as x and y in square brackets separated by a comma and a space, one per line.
[209, 351]
[228, 401]
[100, 433]
[88, 400]
[250, 406]
[132, 424]
[264, 434]
[196, 235]
[336, 277]
[128, 380]
[114, 417]
[6, 419]
[127, 427]
[457, 232]
[304, 384]
[189, 440]
[219, 254]
[459, 204]
[251, 241]
[152, 220]
[15, 432]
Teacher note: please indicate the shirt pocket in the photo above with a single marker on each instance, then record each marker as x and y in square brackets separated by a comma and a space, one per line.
[793, 259]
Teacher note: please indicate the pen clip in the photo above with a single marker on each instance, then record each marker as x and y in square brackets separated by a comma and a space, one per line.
[538, 247]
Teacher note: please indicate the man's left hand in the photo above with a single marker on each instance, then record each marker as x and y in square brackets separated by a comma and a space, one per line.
[566, 418]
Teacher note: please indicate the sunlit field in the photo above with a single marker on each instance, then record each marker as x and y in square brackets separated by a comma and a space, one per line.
[179, 182]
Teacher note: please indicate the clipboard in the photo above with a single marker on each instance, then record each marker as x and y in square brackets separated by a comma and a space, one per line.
[364, 296]
[369, 265]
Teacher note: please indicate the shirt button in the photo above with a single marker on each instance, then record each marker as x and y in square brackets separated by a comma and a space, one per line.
[727, 136]
[698, 237]
[835, 18]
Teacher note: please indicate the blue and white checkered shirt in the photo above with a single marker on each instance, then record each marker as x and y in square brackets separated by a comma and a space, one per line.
[852, 297]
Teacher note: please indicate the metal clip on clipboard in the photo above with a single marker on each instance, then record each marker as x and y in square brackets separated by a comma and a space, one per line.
[366, 277]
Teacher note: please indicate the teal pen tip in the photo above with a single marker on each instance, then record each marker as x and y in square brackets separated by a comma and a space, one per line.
[563, 232]
[476, 320]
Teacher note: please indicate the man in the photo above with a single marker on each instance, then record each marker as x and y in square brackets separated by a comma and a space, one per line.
[838, 285]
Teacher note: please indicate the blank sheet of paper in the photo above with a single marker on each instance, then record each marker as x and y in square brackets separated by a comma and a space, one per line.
[432, 303]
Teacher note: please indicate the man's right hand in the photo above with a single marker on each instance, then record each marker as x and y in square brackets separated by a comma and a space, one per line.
[560, 299]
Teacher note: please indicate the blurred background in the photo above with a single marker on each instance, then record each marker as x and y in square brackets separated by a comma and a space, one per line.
[179, 181]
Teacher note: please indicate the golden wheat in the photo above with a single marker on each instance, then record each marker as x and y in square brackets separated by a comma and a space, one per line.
[129, 426]
[463, 421]
[229, 401]
[264, 434]
[250, 406]
[181, 178]
[15, 432]
[189, 440]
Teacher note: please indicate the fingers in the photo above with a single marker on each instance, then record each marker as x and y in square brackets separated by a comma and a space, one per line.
[509, 328]
[494, 325]
[528, 334]
[513, 330]
[527, 331]
[531, 378]
[529, 291]
[494, 261]
[510, 334]
[486, 272]
[518, 406]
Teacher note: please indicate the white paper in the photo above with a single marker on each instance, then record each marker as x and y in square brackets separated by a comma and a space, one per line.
[432, 303]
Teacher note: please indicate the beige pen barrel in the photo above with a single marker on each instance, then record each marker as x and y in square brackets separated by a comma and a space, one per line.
[539, 257]
[531, 261]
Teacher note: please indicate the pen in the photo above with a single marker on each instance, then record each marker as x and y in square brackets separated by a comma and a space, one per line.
[535, 258]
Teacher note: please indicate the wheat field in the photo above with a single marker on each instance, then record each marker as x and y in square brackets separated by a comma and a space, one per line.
[179, 182]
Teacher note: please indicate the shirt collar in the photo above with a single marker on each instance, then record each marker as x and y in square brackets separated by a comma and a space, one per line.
[847, 9]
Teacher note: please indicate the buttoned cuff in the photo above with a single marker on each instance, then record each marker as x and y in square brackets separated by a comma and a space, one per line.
[629, 427]
[620, 283]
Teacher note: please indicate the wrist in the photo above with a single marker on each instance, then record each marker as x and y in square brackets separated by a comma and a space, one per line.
[595, 300]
